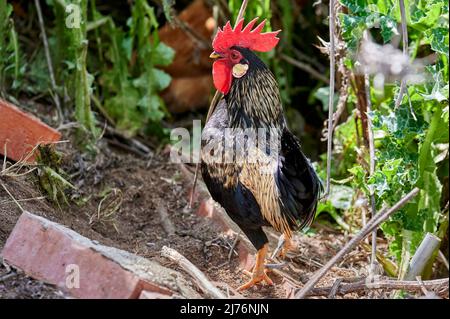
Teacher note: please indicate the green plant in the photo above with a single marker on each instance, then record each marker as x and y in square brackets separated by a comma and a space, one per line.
[132, 84]
[71, 54]
[411, 140]
[52, 178]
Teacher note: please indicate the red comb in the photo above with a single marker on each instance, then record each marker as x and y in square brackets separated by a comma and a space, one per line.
[246, 38]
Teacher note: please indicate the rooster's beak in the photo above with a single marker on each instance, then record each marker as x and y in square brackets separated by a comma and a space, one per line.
[215, 55]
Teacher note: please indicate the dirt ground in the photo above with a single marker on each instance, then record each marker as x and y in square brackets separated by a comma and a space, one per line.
[116, 202]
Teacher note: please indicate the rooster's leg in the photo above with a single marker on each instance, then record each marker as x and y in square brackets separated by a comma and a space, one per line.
[259, 272]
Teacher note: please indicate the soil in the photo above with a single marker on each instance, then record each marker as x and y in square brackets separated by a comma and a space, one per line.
[116, 201]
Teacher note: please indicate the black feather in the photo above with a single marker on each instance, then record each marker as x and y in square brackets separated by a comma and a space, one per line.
[295, 174]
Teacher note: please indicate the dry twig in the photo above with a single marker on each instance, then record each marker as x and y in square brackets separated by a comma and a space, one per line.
[440, 285]
[12, 197]
[441, 256]
[305, 67]
[343, 96]
[233, 246]
[204, 284]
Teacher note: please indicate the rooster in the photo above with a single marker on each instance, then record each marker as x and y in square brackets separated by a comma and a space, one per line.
[264, 181]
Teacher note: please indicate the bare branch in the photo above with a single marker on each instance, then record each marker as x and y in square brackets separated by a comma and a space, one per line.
[439, 285]
[442, 258]
[305, 67]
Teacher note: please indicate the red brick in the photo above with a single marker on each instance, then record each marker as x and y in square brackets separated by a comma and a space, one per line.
[21, 132]
[43, 250]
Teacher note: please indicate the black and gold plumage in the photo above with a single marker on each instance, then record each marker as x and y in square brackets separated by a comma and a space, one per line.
[273, 185]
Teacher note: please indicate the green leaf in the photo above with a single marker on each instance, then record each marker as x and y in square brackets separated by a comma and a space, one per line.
[127, 46]
[438, 39]
[352, 29]
[401, 122]
[388, 28]
[153, 106]
[161, 79]
[423, 19]
[323, 95]
[377, 184]
[437, 94]
[163, 55]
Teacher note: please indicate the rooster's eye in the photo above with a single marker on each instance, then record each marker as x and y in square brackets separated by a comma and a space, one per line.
[234, 55]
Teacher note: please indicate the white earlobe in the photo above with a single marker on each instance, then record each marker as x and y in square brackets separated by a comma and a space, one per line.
[239, 70]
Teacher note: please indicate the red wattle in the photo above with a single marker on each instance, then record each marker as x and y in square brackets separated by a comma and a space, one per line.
[222, 76]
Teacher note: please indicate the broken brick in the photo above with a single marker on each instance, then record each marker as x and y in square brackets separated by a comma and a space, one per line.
[20, 132]
[57, 255]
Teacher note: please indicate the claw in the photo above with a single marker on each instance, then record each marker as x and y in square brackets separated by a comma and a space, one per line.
[257, 279]
[259, 273]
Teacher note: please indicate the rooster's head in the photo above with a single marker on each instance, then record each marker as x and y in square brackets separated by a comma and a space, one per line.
[230, 46]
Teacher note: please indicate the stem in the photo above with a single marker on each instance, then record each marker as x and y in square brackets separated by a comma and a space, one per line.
[372, 171]
[425, 150]
[405, 50]
[49, 60]
[331, 97]
[15, 44]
